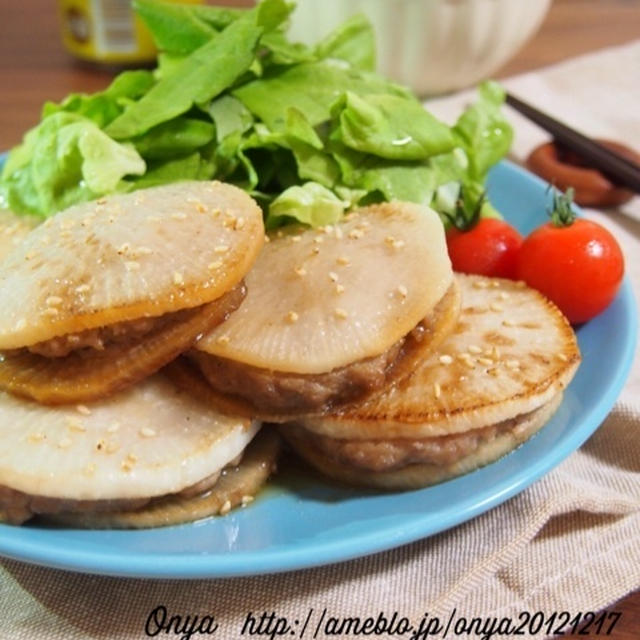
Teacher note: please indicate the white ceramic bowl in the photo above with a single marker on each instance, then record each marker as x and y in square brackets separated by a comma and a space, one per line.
[434, 46]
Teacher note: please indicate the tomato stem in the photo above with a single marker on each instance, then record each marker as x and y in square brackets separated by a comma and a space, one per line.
[561, 212]
[467, 210]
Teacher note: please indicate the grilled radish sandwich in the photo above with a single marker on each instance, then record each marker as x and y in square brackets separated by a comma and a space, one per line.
[492, 384]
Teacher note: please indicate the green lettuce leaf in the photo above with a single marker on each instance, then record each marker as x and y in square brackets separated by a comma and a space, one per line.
[310, 203]
[104, 106]
[353, 41]
[311, 88]
[483, 131]
[65, 160]
[174, 138]
[201, 76]
[389, 126]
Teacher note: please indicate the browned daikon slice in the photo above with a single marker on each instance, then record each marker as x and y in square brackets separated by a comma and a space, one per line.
[237, 486]
[126, 257]
[322, 299]
[88, 375]
[512, 351]
[151, 440]
[414, 476]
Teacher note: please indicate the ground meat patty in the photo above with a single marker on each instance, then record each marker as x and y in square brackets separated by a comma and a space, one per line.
[276, 392]
[97, 339]
[396, 453]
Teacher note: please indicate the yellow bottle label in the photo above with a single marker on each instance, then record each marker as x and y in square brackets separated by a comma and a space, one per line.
[106, 31]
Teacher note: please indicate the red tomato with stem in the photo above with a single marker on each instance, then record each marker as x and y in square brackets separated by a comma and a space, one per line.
[489, 248]
[576, 263]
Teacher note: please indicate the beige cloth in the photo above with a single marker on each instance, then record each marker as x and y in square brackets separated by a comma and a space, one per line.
[570, 542]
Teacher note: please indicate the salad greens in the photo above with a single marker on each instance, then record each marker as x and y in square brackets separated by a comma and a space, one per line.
[309, 131]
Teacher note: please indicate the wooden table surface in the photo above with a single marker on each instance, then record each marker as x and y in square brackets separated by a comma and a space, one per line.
[34, 68]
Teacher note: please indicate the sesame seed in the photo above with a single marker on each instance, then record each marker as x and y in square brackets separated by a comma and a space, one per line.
[221, 248]
[487, 362]
[474, 348]
[494, 306]
[402, 290]
[339, 234]
[36, 437]
[100, 445]
[342, 260]
[124, 248]
[84, 410]
[512, 364]
[480, 284]
[504, 295]
[178, 280]
[179, 216]
[144, 251]
[65, 443]
[318, 239]
[301, 271]
[389, 239]
[341, 313]
[239, 224]
[508, 323]
[315, 251]
[267, 238]
[132, 265]
[21, 324]
[339, 288]
[493, 372]
[83, 288]
[354, 234]
[562, 356]
[328, 229]
[462, 378]
[246, 500]
[445, 359]
[398, 244]
[101, 201]
[437, 391]
[50, 311]
[52, 301]
[495, 284]
[89, 470]
[225, 508]
[214, 265]
[200, 208]
[520, 284]
[295, 238]
[292, 317]
[333, 276]
[111, 219]
[225, 339]
[147, 432]
[74, 425]
[113, 428]
[30, 255]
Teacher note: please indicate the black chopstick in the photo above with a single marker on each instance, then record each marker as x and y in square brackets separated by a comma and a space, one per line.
[620, 169]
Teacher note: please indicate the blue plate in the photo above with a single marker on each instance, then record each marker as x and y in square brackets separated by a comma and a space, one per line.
[303, 521]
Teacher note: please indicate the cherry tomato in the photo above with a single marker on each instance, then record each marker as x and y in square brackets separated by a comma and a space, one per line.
[579, 267]
[489, 248]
